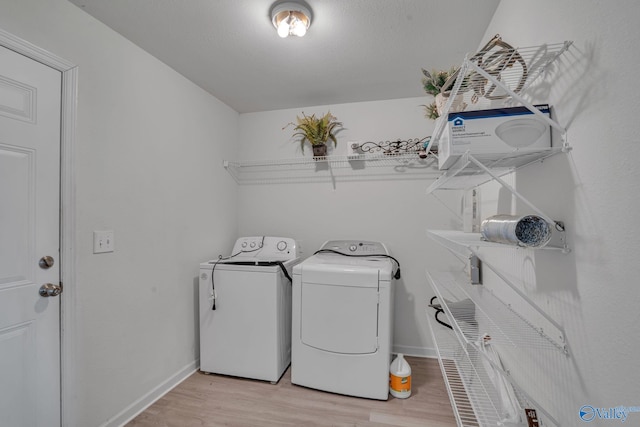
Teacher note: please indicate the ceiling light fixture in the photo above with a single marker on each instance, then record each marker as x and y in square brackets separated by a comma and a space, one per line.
[291, 18]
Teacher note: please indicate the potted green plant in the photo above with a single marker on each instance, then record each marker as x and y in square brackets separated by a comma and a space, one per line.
[434, 83]
[316, 131]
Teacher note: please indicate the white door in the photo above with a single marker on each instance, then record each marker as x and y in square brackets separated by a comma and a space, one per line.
[30, 99]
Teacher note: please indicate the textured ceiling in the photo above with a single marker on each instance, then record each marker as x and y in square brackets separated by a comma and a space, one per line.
[355, 50]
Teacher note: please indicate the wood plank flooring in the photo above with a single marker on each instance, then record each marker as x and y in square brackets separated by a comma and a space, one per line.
[216, 400]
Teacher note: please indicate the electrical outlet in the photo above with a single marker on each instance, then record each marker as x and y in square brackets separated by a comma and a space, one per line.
[103, 241]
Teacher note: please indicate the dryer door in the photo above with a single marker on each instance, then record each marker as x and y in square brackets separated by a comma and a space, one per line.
[339, 318]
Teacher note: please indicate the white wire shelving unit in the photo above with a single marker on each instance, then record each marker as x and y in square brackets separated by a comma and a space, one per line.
[472, 170]
[333, 168]
[507, 74]
[505, 325]
[474, 310]
[475, 398]
[467, 245]
[499, 74]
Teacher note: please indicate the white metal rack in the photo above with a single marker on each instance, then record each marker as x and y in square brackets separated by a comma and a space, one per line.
[480, 314]
[332, 168]
[475, 75]
[467, 245]
[473, 398]
[506, 75]
[470, 171]
[505, 325]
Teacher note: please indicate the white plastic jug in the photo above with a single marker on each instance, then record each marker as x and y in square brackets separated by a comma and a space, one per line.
[400, 378]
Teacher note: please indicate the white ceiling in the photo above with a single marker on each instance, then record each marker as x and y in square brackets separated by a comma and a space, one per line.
[355, 50]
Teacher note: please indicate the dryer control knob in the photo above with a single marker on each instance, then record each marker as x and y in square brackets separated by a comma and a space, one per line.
[252, 244]
[244, 244]
[353, 248]
[282, 245]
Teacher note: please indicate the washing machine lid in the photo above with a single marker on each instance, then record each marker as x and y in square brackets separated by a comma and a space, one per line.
[258, 253]
[264, 266]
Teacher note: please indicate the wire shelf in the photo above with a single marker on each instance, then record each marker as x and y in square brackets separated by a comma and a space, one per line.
[515, 69]
[488, 76]
[474, 397]
[465, 173]
[464, 243]
[461, 242]
[503, 74]
[332, 168]
[475, 311]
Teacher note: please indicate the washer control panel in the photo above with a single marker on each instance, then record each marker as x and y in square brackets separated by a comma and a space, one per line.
[356, 247]
[266, 248]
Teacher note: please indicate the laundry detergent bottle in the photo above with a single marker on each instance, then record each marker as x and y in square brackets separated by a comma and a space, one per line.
[400, 378]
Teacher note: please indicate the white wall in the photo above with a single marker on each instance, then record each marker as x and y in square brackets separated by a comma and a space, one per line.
[394, 212]
[592, 292]
[149, 151]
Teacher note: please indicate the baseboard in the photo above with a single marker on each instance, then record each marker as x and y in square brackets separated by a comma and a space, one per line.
[408, 350]
[148, 399]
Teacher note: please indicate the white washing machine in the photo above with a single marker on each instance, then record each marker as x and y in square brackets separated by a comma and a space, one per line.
[245, 309]
[342, 320]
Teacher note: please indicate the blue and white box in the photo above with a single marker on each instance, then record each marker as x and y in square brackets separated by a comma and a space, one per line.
[495, 131]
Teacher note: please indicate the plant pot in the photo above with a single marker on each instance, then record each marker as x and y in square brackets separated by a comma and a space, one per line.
[319, 151]
[457, 105]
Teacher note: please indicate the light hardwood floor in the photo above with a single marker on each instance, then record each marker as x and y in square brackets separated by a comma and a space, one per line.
[217, 400]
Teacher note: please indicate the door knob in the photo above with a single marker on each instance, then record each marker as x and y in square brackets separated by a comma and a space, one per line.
[46, 262]
[50, 290]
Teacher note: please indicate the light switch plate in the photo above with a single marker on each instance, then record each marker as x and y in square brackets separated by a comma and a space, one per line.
[103, 241]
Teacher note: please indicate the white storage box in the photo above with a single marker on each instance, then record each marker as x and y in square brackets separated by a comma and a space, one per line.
[495, 131]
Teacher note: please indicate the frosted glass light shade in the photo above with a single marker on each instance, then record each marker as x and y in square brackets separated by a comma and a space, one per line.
[291, 18]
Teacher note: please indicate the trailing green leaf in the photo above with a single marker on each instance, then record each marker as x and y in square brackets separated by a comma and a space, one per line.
[431, 111]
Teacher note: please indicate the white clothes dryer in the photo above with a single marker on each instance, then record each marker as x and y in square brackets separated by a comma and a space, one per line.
[342, 320]
[245, 309]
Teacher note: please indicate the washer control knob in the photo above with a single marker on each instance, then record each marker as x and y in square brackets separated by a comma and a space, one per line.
[353, 248]
[282, 245]
[252, 244]
[244, 244]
